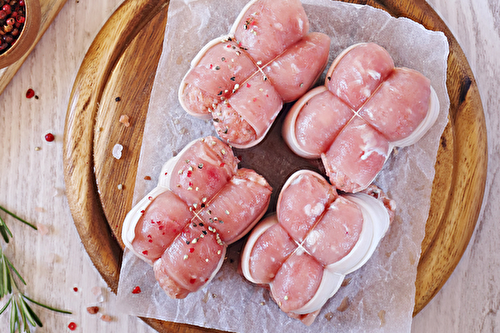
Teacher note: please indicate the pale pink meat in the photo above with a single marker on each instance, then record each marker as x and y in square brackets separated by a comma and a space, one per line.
[320, 121]
[253, 107]
[356, 156]
[304, 269]
[244, 198]
[269, 253]
[297, 281]
[291, 71]
[268, 59]
[368, 108]
[231, 126]
[268, 27]
[190, 261]
[257, 102]
[400, 104]
[162, 221]
[336, 233]
[297, 214]
[198, 102]
[202, 171]
[183, 230]
[213, 79]
[359, 72]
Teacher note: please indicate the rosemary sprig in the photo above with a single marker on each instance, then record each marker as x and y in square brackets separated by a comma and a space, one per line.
[4, 229]
[17, 218]
[21, 313]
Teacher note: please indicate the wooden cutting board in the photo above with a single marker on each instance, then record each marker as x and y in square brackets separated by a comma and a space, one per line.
[49, 10]
[116, 78]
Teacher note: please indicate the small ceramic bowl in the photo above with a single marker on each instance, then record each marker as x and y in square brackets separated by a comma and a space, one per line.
[27, 35]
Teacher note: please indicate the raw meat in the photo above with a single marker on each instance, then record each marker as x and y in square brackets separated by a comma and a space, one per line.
[242, 80]
[202, 203]
[365, 109]
[305, 250]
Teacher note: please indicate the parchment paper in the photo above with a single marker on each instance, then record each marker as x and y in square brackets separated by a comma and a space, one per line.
[379, 296]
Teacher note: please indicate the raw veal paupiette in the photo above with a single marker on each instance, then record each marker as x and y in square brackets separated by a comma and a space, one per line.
[202, 203]
[241, 80]
[365, 109]
[315, 239]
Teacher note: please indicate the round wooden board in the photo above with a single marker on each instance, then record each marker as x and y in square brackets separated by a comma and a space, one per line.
[122, 62]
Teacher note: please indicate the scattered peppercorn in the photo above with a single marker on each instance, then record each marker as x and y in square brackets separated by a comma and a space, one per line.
[72, 326]
[136, 290]
[49, 137]
[30, 93]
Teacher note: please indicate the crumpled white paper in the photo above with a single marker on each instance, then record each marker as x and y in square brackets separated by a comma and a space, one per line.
[377, 298]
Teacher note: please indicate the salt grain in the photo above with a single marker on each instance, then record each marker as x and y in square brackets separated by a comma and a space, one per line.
[58, 192]
[100, 299]
[42, 229]
[96, 291]
[125, 120]
[106, 318]
[93, 309]
[117, 151]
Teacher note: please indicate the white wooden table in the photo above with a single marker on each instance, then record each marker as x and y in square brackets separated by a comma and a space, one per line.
[55, 263]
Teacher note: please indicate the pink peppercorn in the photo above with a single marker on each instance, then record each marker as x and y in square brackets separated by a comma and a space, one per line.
[30, 93]
[49, 137]
[7, 9]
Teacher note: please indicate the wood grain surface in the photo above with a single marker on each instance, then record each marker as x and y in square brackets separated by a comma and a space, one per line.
[49, 10]
[121, 62]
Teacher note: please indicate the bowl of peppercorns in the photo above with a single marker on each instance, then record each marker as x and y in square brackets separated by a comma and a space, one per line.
[19, 27]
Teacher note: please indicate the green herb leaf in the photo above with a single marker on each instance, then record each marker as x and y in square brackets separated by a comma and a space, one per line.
[23, 317]
[2, 285]
[21, 313]
[46, 306]
[15, 271]
[3, 230]
[5, 306]
[29, 313]
[18, 218]
[14, 319]
[6, 278]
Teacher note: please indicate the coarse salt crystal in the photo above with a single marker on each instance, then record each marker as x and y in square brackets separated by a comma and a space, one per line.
[58, 192]
[97, 291]
[125, 120]
[42, 229]
[106, 318]
[117, 151]
[100, 299]
[93, 309]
